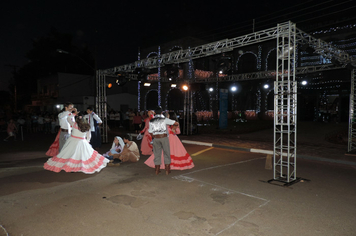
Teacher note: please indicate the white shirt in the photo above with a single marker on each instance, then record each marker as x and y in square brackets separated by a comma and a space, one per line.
[158, 125]
[63, 123]
[90, 118]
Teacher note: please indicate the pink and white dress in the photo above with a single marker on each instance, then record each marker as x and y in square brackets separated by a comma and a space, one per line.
[146, 146]
[180, 158]
[77, 155]
[54, 148]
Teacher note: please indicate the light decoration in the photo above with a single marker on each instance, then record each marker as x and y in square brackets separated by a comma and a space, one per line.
[176, 46]
[258, 102]
[147, 84]
[266, 99]
[167, 94]
[201, 100]
[200, 74]
[248, 52]
[151, 90]
[259, 58]
[334, 29]
[266, 62]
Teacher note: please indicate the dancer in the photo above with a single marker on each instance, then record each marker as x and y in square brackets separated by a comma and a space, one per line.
[146, 146]
[77, 155]
[65, 129]
[158, 130]
[180, 158]
[94, 122]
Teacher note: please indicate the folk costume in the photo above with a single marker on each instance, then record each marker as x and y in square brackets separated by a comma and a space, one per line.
[65, 127]
[158, 129]
[94, 121]
[146, 146]
[180, 158]
[77, 155]
[130, 153]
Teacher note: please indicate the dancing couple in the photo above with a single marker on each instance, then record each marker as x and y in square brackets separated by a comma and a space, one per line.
[168, 151]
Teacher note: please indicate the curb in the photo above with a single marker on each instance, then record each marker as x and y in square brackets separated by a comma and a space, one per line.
[268, 152]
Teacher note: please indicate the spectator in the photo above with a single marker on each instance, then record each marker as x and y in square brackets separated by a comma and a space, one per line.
[11, 130]
[137, 121]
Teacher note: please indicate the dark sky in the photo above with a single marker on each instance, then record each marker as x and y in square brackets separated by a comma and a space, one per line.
[115, 29]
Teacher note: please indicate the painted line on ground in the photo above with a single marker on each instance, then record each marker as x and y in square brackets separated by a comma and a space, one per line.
[270, 152]
[202, 151]
[184, 177]
[197, 143]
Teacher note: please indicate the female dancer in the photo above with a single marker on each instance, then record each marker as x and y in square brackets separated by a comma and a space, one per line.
[77, 155]
[180, 158]
[146, 146]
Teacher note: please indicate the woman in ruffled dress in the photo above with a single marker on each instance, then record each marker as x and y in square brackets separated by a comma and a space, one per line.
[146, 146]
[180, 158]
[77, 155]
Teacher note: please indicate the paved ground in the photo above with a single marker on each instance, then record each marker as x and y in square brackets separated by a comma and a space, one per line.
[225, 193]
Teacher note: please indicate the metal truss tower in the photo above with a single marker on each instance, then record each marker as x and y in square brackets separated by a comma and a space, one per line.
[101, 104]
[285, 106]
[352, 117]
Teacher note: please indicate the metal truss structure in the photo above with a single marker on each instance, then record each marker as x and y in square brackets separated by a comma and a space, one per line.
[352, 115]
[288, 37]
[101, 104]
[285, 107]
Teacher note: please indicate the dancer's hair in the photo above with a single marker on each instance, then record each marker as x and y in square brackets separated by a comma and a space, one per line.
[82, 124]
[67, 104]
[128, 137]
[173, 116]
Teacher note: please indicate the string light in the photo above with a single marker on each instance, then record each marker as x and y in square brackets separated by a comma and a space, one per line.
[247, 52]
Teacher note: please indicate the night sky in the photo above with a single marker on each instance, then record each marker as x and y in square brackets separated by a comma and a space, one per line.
[115, 29]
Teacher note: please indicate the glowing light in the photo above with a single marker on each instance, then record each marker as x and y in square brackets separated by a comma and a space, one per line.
[109, 85]
[304, 82]
[211, 89]
[173, 85]
[266, 86]
[233, 88]
[185, 87]
[58, 106]
[147, 84]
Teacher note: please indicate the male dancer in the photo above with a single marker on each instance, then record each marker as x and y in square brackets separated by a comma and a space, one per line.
[158, 130]
[64, 124]
[94, 122]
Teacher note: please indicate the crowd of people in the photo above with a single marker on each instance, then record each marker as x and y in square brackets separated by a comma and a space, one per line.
[29, 122]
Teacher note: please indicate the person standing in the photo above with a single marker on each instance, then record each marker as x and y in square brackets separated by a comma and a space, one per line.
[11, 130]
[158, 130]
[94, 122]
[65, 127]
[146, 146]
[180, 158]
[77, 155]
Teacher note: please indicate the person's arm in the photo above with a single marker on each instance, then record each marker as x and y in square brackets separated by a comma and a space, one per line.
[70, 119]
[88, 136]
[97, 118]
[63, 114]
